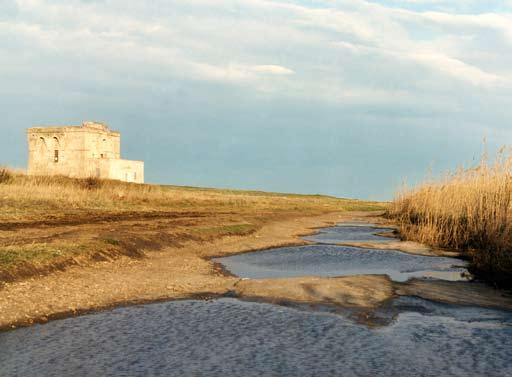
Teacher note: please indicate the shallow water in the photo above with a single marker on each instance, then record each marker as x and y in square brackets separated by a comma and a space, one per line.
[331, 260]
[327, 259]
[228, 337]
[350, 233]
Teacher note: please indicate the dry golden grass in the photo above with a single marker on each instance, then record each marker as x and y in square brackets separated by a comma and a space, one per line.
[23, 197]
[48, 222]
[467, 210]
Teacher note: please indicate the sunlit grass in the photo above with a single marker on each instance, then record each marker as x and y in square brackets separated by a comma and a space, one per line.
[24, 196]
[36, 253]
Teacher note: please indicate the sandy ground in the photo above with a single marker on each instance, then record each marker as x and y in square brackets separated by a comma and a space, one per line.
[409, 247]
[365, 291]
[456, 292]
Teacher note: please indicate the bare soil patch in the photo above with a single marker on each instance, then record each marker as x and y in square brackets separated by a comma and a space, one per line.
[363, 291]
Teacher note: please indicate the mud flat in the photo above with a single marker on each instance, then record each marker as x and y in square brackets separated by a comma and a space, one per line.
[351, 291]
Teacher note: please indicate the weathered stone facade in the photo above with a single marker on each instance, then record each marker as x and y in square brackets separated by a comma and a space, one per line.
[89, 150]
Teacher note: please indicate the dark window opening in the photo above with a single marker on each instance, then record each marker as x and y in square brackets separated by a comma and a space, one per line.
[56, 156]
[102, 155]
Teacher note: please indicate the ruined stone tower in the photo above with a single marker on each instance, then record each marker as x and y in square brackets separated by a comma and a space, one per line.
[89, 150]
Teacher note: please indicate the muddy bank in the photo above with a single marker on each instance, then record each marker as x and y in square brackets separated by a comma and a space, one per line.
[409, 247]
[456, 293]
[352, 291]
[173, 271]
[369, 291]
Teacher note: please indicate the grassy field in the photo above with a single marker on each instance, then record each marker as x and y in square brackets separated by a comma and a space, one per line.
[468, 210]
[47, 223]
[24, 197]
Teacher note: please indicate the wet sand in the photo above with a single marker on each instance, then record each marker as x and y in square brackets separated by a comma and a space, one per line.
[409, 247]
[456, 292]
[365, 291]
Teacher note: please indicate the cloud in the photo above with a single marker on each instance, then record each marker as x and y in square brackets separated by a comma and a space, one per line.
[458, 69]
[449, 6]
[350, 53]
[273, 69]
[8, 9]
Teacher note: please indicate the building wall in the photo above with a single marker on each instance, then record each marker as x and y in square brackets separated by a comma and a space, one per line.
[102, 144]
[70, 158]
[90, 150]
[126, 170]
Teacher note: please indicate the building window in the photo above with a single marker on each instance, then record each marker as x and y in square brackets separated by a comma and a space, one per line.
[56, 147]
[101, 155]
[42, 148]
[134, 175]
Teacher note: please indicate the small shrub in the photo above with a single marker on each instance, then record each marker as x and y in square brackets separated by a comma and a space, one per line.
[112, 241]
[5, 176]
[91, 183]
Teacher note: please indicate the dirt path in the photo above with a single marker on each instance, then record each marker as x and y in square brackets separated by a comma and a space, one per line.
[170, 273]
[184, 270]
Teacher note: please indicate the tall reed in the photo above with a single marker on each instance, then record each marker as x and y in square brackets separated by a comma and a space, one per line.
[467, 210]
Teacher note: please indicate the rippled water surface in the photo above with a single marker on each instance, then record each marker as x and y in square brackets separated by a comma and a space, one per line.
[350, 233]
[326, 259]
[331, 260]
[230, 337]
[227, 337]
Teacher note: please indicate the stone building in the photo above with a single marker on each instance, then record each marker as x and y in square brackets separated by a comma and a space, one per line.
[89, 150]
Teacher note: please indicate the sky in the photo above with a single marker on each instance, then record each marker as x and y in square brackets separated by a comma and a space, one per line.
[348, 98]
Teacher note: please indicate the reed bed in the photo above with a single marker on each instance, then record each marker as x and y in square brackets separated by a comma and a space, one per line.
[467, 210]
